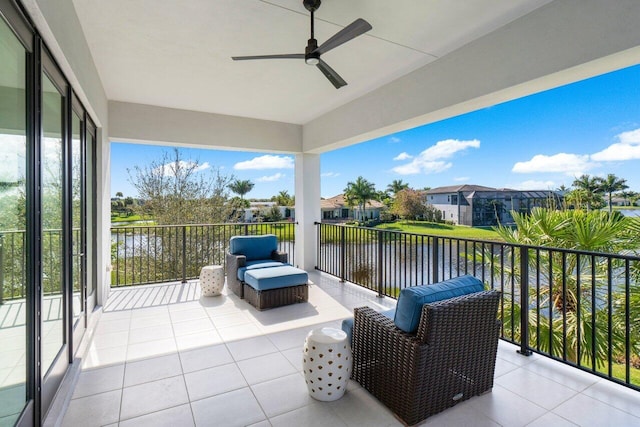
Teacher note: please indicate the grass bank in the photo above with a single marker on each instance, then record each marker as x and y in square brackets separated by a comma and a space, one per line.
[439, 229]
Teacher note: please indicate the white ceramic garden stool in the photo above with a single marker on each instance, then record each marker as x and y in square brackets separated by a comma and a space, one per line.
[211, 280]
[326, 363]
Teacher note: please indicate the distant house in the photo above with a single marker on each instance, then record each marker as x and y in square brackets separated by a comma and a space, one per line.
[476, 205]
[256, 211]
[336, 208]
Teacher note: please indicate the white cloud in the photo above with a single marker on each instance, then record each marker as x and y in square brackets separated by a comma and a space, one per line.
[330, 174]
[431, 159]
[267, 161]
[461, 178]
[270, 178]
[416, 167]
[394, 139]
[535, 185]
[170, 168]
[403, 156]
[571, 164]
[627, 148]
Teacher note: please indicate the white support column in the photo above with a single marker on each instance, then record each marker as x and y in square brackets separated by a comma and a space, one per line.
[307, 194]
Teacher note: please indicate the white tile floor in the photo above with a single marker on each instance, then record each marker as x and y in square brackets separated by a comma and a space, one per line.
[162, 355]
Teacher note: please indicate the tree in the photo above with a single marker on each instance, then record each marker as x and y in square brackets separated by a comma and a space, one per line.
[396, 186]
[359, 193]
[610, 185]
[590, 189]
[119, 194]
[241, 187]
[283, 199]
[594, 231]
[409, 204]
[176, 191]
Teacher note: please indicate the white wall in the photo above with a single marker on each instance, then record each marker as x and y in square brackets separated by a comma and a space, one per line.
[562, 42]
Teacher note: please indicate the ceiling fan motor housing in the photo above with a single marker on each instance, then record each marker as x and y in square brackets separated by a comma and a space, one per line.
[311, 57]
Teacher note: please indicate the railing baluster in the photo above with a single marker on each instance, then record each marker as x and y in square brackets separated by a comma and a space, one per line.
[524, 301]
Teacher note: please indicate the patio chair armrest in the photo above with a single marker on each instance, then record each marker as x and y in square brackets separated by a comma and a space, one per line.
[367, 321]
[280, 256]
[233, 263]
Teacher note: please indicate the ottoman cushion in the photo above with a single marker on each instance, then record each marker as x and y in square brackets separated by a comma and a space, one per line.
[252, 265]
[263, 279]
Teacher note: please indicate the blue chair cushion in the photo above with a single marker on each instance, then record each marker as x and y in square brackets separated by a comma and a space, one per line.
[411, 300]
[260, 263]
[347, 324]
[253, 247]
[263, 279]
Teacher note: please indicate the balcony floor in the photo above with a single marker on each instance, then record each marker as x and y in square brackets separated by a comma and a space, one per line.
[161, 355]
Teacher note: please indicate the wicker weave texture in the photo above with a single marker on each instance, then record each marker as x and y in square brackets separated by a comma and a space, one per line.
[263, 300]
[451, 358]
[233, 263]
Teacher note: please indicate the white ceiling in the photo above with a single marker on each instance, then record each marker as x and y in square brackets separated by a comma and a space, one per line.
[178, 53]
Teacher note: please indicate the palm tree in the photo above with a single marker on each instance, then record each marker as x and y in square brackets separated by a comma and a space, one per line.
[610, 185]
[241, 187]
[559, 306]
[360, 193]
[283, 198]
[590, 186]
[396, 186]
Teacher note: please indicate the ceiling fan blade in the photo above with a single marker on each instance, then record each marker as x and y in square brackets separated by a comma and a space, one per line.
[351, 31]
[283, 56]
[330, 74]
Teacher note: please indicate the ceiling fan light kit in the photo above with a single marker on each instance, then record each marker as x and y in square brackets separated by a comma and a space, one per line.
[313, 52]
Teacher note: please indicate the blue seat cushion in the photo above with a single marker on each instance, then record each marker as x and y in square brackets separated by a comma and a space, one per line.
[253, 247]
[347, 324]
[259, 263]
[263, 279]
[411, 300]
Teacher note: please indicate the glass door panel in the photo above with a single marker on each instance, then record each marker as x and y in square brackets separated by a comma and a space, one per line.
[53, 307]
[77, 220]
[13, 330]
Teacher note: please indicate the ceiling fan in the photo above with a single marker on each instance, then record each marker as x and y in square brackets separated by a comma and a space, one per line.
[313, 51]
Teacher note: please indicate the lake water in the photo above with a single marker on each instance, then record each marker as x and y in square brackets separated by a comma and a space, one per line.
[630, 212]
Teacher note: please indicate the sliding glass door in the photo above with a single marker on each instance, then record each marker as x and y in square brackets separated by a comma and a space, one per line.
[13, 257]
[47, 227]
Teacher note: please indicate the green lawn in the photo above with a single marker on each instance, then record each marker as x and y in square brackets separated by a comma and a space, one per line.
[119, 218]
[439, 229]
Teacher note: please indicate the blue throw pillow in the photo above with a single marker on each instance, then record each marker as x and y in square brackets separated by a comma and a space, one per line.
[411, 300]
[253, 247]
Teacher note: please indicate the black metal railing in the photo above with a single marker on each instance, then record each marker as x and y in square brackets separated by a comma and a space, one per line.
[13, 262]
[154, 254]
[577, 307]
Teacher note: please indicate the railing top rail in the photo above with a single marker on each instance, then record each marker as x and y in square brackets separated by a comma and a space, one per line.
[223, 224]
[625, 257]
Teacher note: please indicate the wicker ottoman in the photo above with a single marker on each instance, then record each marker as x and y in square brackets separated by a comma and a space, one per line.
[211, 280]
[326, 363]
[275, 286]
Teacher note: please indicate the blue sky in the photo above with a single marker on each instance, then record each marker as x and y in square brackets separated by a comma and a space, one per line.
[538, 142]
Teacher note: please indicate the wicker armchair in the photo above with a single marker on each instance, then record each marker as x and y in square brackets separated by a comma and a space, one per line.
[236, 257]
[450, 359]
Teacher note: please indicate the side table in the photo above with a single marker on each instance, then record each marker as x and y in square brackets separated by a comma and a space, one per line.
[327, 363]
[211, 280]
